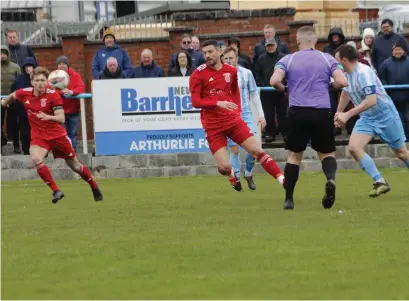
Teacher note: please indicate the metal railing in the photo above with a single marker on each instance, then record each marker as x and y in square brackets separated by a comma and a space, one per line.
[84, 96]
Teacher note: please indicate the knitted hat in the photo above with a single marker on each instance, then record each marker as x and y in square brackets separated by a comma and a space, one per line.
[108, 32]
[352, 43]
[400, 45]
[368, 32]
[62, 59]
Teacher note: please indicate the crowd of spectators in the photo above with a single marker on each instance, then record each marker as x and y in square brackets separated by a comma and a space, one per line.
[385, 52]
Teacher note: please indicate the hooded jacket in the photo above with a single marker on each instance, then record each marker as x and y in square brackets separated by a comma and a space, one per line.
[176, 71]
[260, 48]
[395, 71]
[330, 48]
[19, 52]
[197, 58]
[23, 81]
[100, 59]
[146, 71]
[9, 73]
[382, 47]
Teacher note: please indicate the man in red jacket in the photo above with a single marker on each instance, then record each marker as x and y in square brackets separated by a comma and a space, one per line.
[71, 105]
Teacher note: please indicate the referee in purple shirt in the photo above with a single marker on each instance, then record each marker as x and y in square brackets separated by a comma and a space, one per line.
[308, 73]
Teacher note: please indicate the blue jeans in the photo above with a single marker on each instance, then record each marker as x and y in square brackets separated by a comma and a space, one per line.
[71, 125]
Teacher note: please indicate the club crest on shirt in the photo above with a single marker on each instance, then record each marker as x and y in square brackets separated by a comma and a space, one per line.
[43, 102]
[227, 77]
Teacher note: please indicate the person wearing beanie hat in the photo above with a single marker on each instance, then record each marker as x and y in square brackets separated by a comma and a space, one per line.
[71, 105]
[110, 49]
[382, 47]
[395, 71]
[368, 37]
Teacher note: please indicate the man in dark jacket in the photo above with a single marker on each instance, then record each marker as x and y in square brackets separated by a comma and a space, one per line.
[148, 68]
[383, 43]
[273, 102]
[111, 70]
[336, 38]
[244, 60]
[18, 52]
[395, 71]
[186, 44]
[23, 81]
[260, 48]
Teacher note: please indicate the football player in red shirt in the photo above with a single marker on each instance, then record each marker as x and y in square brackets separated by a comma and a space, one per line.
[214, 88]
[46, 115]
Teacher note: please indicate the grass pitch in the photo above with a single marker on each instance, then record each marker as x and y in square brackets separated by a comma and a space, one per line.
[196, 238]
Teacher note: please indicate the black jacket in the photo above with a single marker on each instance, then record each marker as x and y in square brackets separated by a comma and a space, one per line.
[395, 71]
[174, 72]
[382, 48]
[245, 61]
[330, 48]
[142, 71]
[261, 48]
[19, 52]
[106, 74]
[264, 68]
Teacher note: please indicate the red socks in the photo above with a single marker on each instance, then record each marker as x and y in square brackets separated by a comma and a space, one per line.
[45, 174]
[87, 177]
[270, 166]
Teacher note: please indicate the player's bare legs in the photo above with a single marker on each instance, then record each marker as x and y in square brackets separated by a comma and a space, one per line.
[223, 165]
[356, 147]
[85, 174]
[252, 146]
[38, 154]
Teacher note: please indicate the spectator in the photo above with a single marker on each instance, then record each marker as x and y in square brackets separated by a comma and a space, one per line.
[336, 38]
[244, 60]
[186, 44]
[273, 102]
[111, 48]
[148, 68]
[18, 52]
[9, 72]
[269, 32]
[395, 71]
[112, 70]
[24, 81]
[366, 44]
[383, 43]
[184, 66]
[361, 58]
[71, 105]
[195, 43]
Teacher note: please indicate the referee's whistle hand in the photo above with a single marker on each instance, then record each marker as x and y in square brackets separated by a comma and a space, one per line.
[228, 105]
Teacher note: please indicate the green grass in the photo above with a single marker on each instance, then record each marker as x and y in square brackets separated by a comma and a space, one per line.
[195, 238]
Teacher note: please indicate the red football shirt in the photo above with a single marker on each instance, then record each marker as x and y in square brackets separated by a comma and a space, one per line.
[207, 87]
[46, 103]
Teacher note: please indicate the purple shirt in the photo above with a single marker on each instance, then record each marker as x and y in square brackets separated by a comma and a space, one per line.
[308, 75]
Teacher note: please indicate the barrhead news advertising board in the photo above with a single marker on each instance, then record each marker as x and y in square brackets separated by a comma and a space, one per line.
[146, 116]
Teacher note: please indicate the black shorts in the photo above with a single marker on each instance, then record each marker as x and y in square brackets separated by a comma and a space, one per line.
[310, 125]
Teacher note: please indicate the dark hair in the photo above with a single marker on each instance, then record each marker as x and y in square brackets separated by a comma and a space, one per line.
[389, 21]
[211, 43]
[39, 71]
[234, 41]
[188, 57]
[230, 49]
[348, 52]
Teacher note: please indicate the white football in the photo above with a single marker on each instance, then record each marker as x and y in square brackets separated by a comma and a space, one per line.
[59, 79]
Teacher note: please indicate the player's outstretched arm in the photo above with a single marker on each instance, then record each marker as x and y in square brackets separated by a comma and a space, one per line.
[9, 99]
[277, 78]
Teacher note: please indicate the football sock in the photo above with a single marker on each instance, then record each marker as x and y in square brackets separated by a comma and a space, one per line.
[45, 175]
[329, 167]
[291, 172]
[250, 161]
[368, 165]
[87, 177]
[270, 166]
[235, 163]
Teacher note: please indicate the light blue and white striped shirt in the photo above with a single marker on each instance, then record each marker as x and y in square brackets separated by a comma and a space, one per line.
[247, 86]
[363, 82]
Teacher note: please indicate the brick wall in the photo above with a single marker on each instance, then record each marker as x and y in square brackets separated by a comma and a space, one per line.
[247, 25]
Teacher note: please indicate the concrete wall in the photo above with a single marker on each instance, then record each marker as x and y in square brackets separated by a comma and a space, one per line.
[140, 166]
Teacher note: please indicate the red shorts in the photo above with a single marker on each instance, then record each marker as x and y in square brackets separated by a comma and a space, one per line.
[238, 132]
[61, 147]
